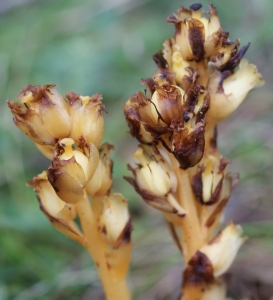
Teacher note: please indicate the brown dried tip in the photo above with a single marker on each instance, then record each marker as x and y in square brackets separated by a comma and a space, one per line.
[199, 271]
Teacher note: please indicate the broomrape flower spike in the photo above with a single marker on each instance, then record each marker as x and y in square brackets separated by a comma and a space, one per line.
[201, 79]
[69, 133]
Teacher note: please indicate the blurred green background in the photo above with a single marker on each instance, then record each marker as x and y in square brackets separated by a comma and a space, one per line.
[106, 46]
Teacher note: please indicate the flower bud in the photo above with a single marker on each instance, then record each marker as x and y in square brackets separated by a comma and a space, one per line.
[222, 249]
[59, 213]
[155, 180]
[114, 221]
[227, 94]
[46, 116]
[86, 117]
[101, 182]
[71, 169]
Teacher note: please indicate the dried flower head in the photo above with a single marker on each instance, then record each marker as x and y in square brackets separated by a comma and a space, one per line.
[173, 116]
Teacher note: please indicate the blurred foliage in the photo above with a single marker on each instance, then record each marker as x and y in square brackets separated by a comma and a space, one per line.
[106, 46]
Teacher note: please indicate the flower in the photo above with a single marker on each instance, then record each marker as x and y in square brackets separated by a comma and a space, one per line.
[228, 90]
[70, 169]
[101, 182]
[60, 214]
[114, 222]
[222, 249]
[86, 117]
[45, 117]
[173, 116]
[155, 180]
[210, 183]
[195, 36]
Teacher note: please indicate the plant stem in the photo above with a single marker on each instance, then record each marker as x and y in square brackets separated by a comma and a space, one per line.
[192, 237]
[114, 288]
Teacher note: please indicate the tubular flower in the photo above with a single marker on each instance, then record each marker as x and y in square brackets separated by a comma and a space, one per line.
[228, 90]
[114, 223]
[173, 116]
[59, 213]
[70, 169]
[211, 184]
[155, 180]
[222, 249]
[196, 36]
[86, 117]
[45, 117]
[199, 43]
[209, 180]
[101, 182]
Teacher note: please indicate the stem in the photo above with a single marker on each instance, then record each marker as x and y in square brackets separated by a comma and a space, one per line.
[192, 238]
[114, 288]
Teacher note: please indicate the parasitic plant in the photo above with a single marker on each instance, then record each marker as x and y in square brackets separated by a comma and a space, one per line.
[201, 79]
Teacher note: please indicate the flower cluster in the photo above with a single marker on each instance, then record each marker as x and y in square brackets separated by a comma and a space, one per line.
[201, 79]
[69, 133]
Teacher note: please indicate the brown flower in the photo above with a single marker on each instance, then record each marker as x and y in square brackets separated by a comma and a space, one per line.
[173, 115]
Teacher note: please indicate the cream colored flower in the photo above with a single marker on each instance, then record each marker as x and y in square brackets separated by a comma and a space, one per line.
[86, 117]
[114, 221]
[221, 251]
[60, 214]
[154, 180]
[228, 94]
[101, 182]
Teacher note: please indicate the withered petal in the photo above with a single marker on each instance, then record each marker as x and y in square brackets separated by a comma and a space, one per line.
[189, 149]
[196, 37]
[159, 60]
[217, 212]
[235, 59]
